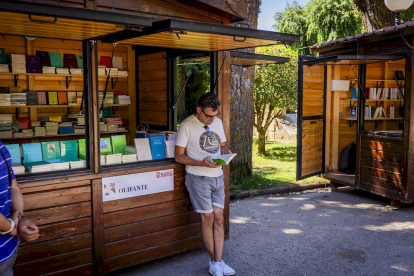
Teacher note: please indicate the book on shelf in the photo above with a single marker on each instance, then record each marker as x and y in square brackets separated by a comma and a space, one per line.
[4, 68]
[123, 73]
[5, 99]
[105, 146]
[149, 134]
[105, 60]
[39, 131]
[69, 150]
[56, 60]
[33, 64]
[62, 71]
[143, 149]
[44, 58]
[76, 71]
[2, 56]
[118, 143]
[354, 93]
[6, 134]
[31, 98]
[43, 119]
[79, 61]
[379, 113]
[41, 98]
[69, 61]
[51, 152]
[129, 158]
[60, 166]
[62, 97]
[117, 63]
[157, 144]
[48, 70]
[65, 130]
[113, 121]
[24, 122]
[392, 112]
[38, 166]
[77, 164]
[170, 148]
[32, 152]
[15, 126]
[71, 97]
[224, 159]
[27, 132]
[367, 112]
[18, 168]
[112, 159]
[82, 149]
[17, 59]
[52, 98]
[55, 118]
[18, 99]
[14, 150]
[35, 124]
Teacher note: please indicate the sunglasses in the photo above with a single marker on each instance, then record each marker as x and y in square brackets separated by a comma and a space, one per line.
[208, 131]
[209, 116]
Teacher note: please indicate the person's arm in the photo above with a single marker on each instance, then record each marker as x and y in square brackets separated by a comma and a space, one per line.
[25, 228]
[224, 149]
[180, 157]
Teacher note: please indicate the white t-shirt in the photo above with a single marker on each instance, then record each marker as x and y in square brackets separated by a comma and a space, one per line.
[192, 135]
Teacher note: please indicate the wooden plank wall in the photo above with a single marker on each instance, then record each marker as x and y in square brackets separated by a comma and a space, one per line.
[63, 213]
[152, 89]
[381, 166]
[141, 229]
[312, 130]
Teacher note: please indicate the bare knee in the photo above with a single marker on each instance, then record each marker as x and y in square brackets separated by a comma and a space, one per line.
[208, 219]
[218, 219]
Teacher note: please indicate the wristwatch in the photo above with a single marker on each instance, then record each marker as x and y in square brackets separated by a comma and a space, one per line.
[20, 215]
[11, 227]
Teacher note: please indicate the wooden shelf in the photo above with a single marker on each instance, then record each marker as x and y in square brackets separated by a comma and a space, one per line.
[376, 80]
[377, 100]
[56, 105]
[377, 119]
[56, 75]
[62, 135]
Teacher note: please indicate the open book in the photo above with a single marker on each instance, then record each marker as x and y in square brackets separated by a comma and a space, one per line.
[224, 159]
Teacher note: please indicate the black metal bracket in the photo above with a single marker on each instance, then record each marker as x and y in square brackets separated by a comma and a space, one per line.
[114, 110]
[70, 109]
[353, 83]
[16, 78]
[377, 123]
[352, 123]
[17, 111]
[114, 82]
[68, 80]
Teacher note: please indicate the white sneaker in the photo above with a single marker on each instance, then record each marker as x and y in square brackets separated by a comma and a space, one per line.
[215, 269]
[226, 269]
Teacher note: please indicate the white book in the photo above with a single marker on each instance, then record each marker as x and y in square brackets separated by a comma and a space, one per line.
[392, 110]
[117, 63]
[224, 159]
[170, 148]
[143, 148]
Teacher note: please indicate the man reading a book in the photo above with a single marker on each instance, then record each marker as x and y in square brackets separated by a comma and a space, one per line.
[201, 138]
[12, 222]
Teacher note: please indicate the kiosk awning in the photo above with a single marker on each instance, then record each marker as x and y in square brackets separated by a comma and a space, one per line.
[63, 22]
[250, 59]
[351, 59]
[172, 33]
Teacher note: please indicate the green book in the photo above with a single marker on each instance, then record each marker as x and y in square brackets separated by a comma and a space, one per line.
[118, 143]
[51, 152]
[69, 150]
[79, 61]
[224, 159]
[82, 149]
[2, 56]
[105, 146]
[52, 98]
[56, 60]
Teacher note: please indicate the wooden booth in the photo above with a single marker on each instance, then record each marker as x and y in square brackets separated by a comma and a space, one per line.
[360, 90]
[100, 210]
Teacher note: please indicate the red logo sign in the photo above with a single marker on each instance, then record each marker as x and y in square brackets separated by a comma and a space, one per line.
[164, 174]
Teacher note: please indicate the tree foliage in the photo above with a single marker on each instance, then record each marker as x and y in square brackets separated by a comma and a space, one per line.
[319, 21]
[275, 90]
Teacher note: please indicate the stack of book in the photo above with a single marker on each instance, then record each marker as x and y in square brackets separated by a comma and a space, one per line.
[130, 150]
[76, 71]
[109, 98]
[113, 159]
[101, 70]
[4, 68]
[39, 131]
[103, 127]
[78, 164]
[65, 128]
[37, 167]
[5, 99]
[122, 73]
[112, 72]
[123, 99]
[29, 132]
[5, 125]
[51, 128]
[48, 70]
[18, 168]
[63, 71]
[18, 98]
[18, 63]
[60, 166]
[128, 158]
[103, 160]
[19, 134]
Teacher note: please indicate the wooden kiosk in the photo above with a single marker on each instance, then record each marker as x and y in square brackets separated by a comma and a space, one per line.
[360, 90]
[81, 231]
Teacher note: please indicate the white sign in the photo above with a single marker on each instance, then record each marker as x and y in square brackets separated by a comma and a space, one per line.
[132, 185]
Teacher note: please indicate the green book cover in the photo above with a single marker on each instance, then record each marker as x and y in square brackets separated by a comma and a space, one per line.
[82, 149]
[51, 151]
[79, 61]
[69, 150]
[52, 97]
[2, 56]
[56, 60]
[106, 146]
[118, 143]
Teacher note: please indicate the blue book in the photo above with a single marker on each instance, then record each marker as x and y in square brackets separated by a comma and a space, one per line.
[149, 134]
[14, 151]
[354, 93]
[65, 130]
[157, 144]
[32, 152]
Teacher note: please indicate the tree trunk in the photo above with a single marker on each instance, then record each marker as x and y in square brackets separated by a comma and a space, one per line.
[261, 146]
[242, 111]
[375, 14]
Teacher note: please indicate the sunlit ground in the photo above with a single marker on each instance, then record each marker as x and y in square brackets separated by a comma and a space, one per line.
[275, 169]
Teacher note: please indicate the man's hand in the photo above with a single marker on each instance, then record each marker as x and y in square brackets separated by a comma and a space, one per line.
[207, 163]
[28, 230]
[15, 218]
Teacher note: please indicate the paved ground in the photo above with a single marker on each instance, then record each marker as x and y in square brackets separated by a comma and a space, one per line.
[316, 233]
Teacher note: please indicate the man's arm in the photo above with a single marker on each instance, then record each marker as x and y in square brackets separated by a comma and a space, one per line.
[180, 157]
[224, 149]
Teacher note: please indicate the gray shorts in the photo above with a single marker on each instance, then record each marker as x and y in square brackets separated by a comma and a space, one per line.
[205, 192]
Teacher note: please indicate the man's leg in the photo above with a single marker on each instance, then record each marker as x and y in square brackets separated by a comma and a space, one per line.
[218, 233]
[207, 233]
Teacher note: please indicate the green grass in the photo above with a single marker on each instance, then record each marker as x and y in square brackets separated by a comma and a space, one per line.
[277, 168]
